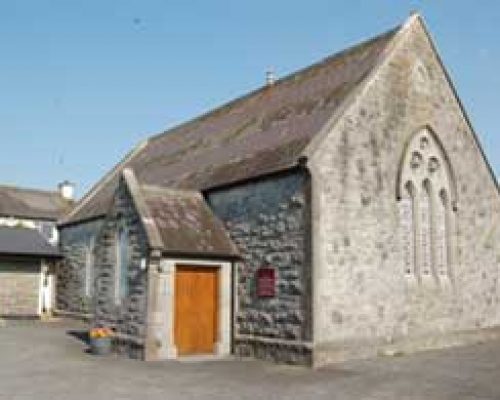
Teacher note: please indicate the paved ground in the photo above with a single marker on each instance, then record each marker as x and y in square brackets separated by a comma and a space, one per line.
[44, 361]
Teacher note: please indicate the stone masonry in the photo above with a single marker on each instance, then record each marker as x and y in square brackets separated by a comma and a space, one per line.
[20, 288]
[268, 221]
[76, 245]
[128, 317]
[384, 238]
[365, 298]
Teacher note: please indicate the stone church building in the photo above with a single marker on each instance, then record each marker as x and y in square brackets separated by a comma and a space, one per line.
[344, 211]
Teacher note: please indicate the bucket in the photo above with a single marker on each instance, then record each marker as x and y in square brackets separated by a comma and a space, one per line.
[100, 346]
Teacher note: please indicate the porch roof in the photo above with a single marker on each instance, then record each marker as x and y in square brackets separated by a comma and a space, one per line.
[179, 222]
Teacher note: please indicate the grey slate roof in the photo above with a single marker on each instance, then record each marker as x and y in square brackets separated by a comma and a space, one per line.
[32, 203]
[263, 132]
[179, 222]
[24, 241]
[186, 224]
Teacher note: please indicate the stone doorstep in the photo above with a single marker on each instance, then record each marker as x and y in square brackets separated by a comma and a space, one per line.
[196, 358]
[50, 318]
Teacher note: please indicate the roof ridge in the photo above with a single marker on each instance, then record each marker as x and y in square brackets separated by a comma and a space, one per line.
[287, 78]
[364, 51]
[28, 189]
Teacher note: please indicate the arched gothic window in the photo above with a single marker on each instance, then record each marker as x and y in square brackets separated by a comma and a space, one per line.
[427, 202]
[89, 268]
[122, 264]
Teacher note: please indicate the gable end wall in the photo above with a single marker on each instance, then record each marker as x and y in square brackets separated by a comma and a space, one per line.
[363, 301]
[129, 316]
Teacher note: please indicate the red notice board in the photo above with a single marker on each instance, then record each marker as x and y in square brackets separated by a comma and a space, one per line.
[266, 282]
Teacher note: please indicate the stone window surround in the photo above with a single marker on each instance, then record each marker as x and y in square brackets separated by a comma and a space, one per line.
[417, 189]
[163, 331]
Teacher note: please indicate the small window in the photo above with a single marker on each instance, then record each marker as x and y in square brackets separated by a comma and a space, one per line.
[122, 261]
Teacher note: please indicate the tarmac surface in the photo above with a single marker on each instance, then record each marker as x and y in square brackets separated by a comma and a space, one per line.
[48, 361]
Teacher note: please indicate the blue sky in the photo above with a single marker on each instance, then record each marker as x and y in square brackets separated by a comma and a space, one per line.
[82, 82]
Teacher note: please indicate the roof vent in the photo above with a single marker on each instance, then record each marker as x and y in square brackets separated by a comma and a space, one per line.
[67, 190]
[270, 77]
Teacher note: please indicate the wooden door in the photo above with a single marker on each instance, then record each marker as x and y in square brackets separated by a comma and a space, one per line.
[196, 306]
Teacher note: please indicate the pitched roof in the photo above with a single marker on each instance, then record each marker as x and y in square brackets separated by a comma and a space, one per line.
[260, 133]
[32, 203]
[179, 222]
[24, 241]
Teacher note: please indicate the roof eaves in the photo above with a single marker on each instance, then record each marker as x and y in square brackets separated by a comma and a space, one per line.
[201, 255]
[29, 216]
[31, 255]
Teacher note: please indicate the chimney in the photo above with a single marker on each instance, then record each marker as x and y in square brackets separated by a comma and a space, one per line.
[270, 77]
[67, 190]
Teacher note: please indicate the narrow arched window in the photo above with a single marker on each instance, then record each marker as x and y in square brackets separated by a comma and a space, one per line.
[427, 210]
[122, 265]
[408, 214]
[89, 268]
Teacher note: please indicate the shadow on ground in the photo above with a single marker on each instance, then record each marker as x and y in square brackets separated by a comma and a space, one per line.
[80, 335]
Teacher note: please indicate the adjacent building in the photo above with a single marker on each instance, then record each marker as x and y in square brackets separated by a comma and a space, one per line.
[28, 249]
[345, 210]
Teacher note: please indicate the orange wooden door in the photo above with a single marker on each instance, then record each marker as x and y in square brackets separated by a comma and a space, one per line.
[196, 305]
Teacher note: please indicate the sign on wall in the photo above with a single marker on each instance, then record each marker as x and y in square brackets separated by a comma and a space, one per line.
[266, 282]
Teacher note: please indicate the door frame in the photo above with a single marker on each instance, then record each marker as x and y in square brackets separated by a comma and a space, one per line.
[46, 292]
[163, 313]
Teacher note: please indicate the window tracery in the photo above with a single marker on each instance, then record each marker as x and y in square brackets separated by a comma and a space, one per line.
[427, 201]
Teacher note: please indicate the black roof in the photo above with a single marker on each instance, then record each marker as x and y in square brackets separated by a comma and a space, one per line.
[25, 242]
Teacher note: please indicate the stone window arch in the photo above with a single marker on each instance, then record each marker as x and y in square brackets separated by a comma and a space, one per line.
[426, 194]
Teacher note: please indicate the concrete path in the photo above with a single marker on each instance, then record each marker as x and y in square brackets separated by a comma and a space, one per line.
[46, 361]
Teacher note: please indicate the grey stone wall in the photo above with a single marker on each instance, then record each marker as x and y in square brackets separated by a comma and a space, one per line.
[269, 222]
[75, 244]
[128, 317]
[363, 297]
